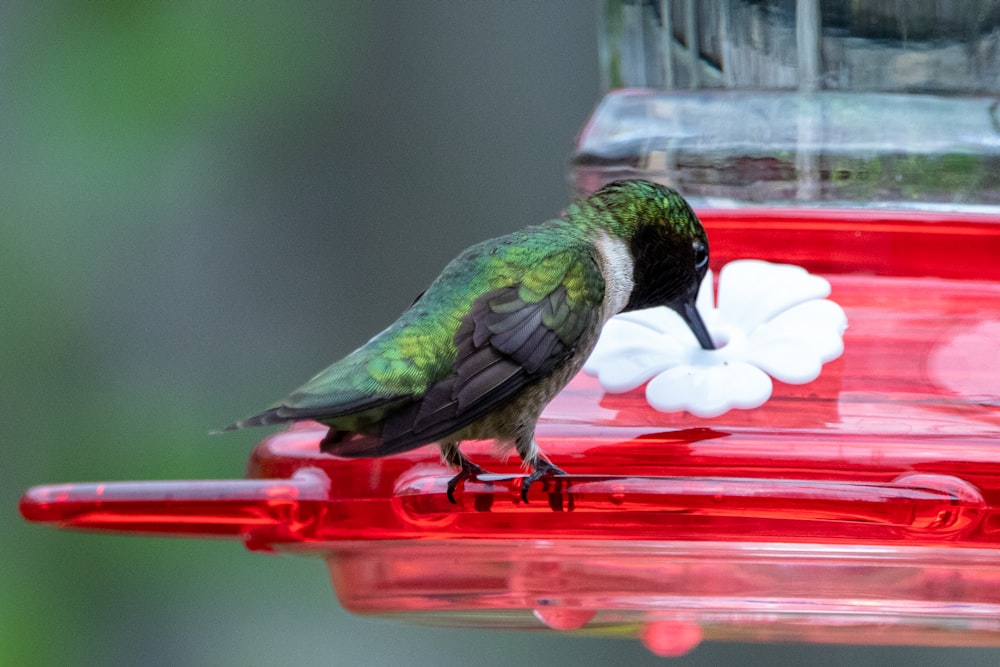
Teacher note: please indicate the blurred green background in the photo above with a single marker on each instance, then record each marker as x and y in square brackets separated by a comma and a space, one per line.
[201, 205]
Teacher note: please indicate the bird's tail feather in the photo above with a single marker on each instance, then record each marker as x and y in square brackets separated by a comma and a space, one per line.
[266, 418]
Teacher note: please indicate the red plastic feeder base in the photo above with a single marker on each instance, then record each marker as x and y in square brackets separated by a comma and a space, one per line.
[863, 507]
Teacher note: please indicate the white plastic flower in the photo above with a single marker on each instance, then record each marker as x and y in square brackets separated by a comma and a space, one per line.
[771, 320]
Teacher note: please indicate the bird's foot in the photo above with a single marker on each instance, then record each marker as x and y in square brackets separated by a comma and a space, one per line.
[542, 468]
[469, 470]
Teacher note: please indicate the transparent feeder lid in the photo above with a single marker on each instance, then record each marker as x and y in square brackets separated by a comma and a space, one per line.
[863, 506]
[773, 102]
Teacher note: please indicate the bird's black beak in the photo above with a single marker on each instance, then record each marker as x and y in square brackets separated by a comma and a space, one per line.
[689, 313]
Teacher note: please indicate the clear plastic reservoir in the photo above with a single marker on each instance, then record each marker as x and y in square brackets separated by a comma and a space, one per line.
[871, 103]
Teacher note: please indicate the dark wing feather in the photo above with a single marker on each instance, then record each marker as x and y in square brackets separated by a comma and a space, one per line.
[301, 405]
[285, 413]
[504, 344]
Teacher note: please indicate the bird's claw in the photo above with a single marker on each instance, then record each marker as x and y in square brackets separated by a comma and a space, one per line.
[469, 470]
[542, 468]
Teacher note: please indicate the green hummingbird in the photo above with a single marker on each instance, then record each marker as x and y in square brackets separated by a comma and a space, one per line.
[507, 324]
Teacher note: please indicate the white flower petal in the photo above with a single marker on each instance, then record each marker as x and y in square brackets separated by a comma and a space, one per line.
[786, 361]
[628, 354]
[630, 369]
[793, 346]
[709, 391]
[619, 332]
[653, 319]
[622, 338]
[666, 323]
[817, 314]
[751, 292]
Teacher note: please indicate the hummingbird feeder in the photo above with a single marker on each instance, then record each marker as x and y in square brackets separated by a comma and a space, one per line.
[863, 506]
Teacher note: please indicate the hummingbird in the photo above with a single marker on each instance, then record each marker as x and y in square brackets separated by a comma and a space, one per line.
[507, 324]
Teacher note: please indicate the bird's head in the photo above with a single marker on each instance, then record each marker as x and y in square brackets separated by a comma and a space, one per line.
[668, 246]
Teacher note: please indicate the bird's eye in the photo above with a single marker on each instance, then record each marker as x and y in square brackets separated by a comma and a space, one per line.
[700, 255]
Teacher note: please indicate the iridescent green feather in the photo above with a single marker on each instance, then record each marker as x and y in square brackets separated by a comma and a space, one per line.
[419, 349]
[501, 316]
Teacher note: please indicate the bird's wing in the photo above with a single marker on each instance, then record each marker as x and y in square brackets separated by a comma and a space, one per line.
[333, 393]
[392, 369]
[510, 337]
